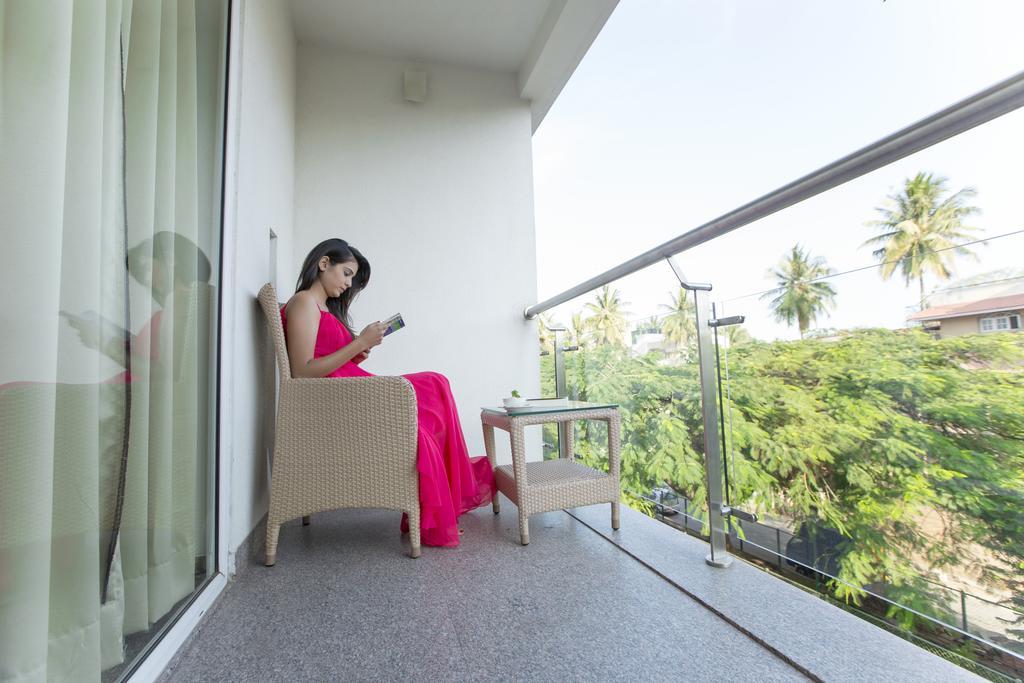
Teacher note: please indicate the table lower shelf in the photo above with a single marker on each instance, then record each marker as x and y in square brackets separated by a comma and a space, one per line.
[556, 484]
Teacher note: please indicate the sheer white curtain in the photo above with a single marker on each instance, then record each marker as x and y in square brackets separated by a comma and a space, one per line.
[106, 326]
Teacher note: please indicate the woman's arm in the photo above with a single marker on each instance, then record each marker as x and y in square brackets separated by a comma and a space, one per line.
[303, 320]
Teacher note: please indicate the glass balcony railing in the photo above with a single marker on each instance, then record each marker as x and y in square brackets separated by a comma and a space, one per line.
[869, 406]
[638, 352]
[884, 460]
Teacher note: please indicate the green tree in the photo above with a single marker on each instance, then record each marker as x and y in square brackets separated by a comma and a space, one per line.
[868, 433]
[680, 323]
[861, 436]
[659, 439]
[800, 296]
[607, 321]
[920, 227]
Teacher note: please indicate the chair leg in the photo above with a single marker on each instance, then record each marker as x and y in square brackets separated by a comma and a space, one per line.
[615, 515]
[524, 527]
[414, 531]
[272, 532]
[306, 519]
[495, 505]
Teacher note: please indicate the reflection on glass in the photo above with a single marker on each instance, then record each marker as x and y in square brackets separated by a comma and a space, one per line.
[107, 366]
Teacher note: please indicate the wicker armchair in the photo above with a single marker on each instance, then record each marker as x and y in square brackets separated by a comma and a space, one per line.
[339, 443]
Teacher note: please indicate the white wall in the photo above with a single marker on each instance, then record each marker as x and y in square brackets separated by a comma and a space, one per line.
[264, 200]
[439, 197]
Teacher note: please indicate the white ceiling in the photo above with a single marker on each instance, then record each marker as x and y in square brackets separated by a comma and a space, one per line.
[484, 34]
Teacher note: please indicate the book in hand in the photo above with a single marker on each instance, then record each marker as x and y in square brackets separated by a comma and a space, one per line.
[393, 324]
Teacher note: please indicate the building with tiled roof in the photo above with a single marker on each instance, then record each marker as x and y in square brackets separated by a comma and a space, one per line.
[994, 314]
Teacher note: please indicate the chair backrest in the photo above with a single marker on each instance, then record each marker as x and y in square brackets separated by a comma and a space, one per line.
[272, 312]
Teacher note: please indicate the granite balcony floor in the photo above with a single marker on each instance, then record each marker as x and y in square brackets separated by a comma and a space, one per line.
[346, 603]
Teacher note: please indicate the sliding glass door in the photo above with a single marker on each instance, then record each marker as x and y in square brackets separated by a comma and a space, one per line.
[111, 128]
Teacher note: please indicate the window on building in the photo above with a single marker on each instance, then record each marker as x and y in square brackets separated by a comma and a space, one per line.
[1000, 323]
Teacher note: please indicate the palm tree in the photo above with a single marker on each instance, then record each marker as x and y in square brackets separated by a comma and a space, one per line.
[735, 335]
[578, 330]
[800, 295]
[649, 326]
[920, 228]
[544, 335]
[680, 325]
[607, 321]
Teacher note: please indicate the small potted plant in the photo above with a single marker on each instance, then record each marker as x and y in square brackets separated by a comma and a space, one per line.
[514, 401]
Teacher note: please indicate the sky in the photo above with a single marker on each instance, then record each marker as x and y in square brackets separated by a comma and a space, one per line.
[684, 110]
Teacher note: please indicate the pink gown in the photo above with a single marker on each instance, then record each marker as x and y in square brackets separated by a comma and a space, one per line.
[451, 482]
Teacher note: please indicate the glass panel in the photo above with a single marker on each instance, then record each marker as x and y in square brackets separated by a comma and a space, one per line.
[110, 197]
[549, 405]
[876, 434]
[633, 344]
[852, 429]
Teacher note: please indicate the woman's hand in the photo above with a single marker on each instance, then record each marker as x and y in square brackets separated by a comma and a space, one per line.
[371, 335]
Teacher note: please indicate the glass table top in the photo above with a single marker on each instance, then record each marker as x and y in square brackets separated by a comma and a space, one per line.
[537, 406]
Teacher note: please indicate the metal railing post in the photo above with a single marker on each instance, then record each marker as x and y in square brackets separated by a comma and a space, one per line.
[561, 392]
[963, 611]
[719, 556]
[560, 389]
[778, 545]
[708, 358]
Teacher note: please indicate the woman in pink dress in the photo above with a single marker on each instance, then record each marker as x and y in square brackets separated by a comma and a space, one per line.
[322, 343]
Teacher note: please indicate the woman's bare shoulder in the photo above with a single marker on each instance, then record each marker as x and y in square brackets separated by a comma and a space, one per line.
[301, 302]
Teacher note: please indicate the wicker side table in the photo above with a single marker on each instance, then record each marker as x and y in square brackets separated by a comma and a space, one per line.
[552, 484]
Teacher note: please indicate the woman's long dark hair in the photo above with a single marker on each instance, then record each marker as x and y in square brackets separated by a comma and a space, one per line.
[338, 251]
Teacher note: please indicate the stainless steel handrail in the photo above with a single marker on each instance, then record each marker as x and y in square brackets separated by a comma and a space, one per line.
[980, 108]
